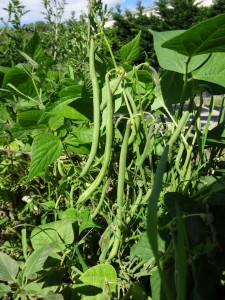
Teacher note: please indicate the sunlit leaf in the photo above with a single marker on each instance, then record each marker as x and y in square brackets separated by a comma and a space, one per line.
[8, 268]
[205, 37]
[130, 52]
[46, 148]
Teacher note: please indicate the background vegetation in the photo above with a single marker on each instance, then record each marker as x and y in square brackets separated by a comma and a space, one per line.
[111, 186]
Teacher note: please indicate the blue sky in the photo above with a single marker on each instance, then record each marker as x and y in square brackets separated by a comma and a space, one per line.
[131, 4]
[36, 7]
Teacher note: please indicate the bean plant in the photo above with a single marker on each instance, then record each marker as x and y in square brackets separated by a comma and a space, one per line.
[112, 187]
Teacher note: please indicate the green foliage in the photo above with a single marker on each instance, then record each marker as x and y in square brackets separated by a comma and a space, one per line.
[178, 14]
[145, 203]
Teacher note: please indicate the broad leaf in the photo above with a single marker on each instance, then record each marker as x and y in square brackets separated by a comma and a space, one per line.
[144, 76]
[130, 52]
[29, 118]
[33, 289]
[15, 76]
[143, 249]
[87, 221]
[156, 286]
[60, 232]
[54, 297]
[213, 70]
[170, 59]
[36, 260]
[4, 290]
[45, 149]
[216, 136]
[84, 134]
[97, 283]
[70, 213]
[34, 49]
[55, 122]
[205, 37]
[172, 87]
[8, 268]
[69, 113]
[73, 91]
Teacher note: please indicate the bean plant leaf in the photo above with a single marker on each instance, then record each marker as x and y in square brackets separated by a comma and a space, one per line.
[213, 71]
[36, 260]
[71, 92]
[84, 134]
[15, 76]
[172, 87]
[130, 52]
[34, 49]
[29, 118]
[82, 105]
[86, 221]
[54, 297]
[4, 290]
[60, 232]
[8, 268]
[156, 285]
[97, 283]
[69, 113]
[171, 60]
[142, 248]
[205, 37]
[34, 289]
[45, 149]
[216, 136]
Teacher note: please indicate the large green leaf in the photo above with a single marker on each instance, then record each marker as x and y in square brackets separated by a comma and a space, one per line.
[54, 297]
[172, 87]
[36, 260]
[15, 76]
[33, 289]
[29, 118]
[87, 221]
[213, 70]
[216, 136]
[170, 59]
[45, 149]
[21, 132]
[205, 37]
[84, 134]
[8, 268]
[34, 49]
[69, 113]
[142, 248]
[130, 52]
[70, 92]
[4, 290]
[156, 286]
[60, 232]
[97, 283]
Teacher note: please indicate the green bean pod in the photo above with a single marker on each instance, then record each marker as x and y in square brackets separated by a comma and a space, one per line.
[120, 193]
[108, 147]
[96, 107]
[113, 89]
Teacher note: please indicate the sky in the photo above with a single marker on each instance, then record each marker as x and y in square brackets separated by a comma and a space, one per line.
[36, 7]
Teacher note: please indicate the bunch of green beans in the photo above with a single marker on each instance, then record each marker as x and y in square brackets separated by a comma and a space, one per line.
[108, 145]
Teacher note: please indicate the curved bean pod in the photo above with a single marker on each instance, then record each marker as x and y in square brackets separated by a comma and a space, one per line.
[107, 154]
[120, 193]
[96, 106]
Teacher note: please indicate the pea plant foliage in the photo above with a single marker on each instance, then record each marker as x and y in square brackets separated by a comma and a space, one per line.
[123, 182]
